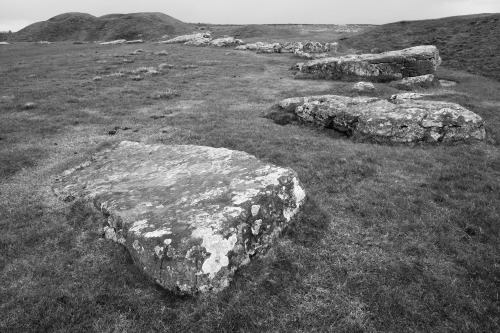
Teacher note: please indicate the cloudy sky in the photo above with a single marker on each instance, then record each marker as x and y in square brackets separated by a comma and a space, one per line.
[15, 15]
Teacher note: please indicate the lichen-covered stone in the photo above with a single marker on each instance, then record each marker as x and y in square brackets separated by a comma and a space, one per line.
[226, 41]
[189, 215]
[291, 47]
[382, 67]
[187, 38]
[199, 42]
[363, 86]
[397, 98]
[261, 47]
[421, 81]
[380, 120]
[316, 47]
[311, 56]
[114, 42]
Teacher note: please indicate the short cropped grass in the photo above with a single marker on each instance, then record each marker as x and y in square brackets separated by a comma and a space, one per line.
[392, 239]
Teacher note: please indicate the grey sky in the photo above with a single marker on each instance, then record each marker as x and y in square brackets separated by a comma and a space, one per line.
[15, 15]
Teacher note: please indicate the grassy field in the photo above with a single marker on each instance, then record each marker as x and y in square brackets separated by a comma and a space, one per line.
[393, 238]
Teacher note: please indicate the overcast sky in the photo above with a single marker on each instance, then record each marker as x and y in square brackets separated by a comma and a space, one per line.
[15, 15]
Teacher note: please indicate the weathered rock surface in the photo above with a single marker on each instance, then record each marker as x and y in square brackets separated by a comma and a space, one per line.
[363, 86]
[311, 56]
[189, 215]
[291, 47]
[421, 81]
[113, 42]
[226, 41]
[447, 83]
[382, 67]
[199, 42]
[261, 47]
[135, 41]
[380, 120]
[316, 47]
[396, 98]
[187, 38]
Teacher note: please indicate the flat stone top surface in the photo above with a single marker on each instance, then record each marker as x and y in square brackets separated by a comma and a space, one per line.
[199, 187]
[418, 52]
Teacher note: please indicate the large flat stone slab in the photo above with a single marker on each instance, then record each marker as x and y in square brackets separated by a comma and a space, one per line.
[380, 67]
[398, 120]
[189, 215]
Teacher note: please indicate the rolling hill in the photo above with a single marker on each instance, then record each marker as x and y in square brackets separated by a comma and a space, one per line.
[470, 43]
[85, 27]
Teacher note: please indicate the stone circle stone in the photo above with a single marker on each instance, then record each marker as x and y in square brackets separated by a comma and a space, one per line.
[190, 216]
[380, 120]
[382, 67]
[363, 86]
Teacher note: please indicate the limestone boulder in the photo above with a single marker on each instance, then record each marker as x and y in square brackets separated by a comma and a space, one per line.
[363, 86]
[316, 47]
[291, 47]
[382, 67]
[421, 81]
[380, 120]
[397, 98]
[114, 42]
[311, 56]
[226, 41]
[187, 38]
[135, 41]
[199, 42]
[190, 216]
[261, 47]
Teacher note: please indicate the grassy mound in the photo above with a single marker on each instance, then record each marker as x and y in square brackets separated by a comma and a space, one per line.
[85, 27]
[467, 43]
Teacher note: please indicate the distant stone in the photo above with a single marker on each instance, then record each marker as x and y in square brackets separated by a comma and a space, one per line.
[407, 121]
[135, 41]
[138, 51]
[29, 106]
[311, 56]
[4, 43]
[165, 37]
[97, 78]
[400, 97]
[113, 42]
[162, 53]
[447, 83]
[190, 216]
[383, 67]
[226, 41]
[187, 38]
[410, 83]
[316, 47]
[292, 47]
[363, 86]
[261, 47]
[43, 42]
[199, 42]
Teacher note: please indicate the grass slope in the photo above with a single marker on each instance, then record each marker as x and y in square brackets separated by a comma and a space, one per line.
[85, 27]
[470, 43]
[393, 238]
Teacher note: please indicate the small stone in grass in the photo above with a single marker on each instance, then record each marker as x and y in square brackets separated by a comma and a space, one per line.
[97, 78]
[136, 78]
[112, 132]
[29, 106]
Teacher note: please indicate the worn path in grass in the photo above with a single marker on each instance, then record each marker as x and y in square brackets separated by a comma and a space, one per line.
[394, 238]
